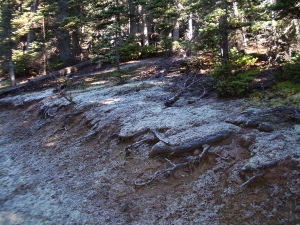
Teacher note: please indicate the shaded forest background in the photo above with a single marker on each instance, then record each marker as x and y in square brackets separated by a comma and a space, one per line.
[235, 39]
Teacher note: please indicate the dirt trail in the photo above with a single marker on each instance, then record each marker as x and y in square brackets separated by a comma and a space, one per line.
[78, 164]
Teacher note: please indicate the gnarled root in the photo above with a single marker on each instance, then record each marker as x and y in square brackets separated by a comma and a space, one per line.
[190, 161]
[159, 148]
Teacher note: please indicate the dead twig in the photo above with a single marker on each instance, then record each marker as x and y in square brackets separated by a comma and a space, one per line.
[169, 102]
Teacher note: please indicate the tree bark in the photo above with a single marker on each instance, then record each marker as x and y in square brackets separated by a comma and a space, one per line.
[76, 48]
[64, 38]
[133, 20]
[12, 72]
[145, 27]
[190, 29]
[45, 60]
[8, 43]
[31, 33]
[176, 31]
[224, 34]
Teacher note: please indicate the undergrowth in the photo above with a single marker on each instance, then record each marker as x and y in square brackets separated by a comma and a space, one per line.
[284, 93]
[233, 79]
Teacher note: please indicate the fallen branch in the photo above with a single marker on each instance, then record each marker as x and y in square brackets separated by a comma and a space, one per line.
[159, 149]
[39, 81]
[169, 102]
[190, 161]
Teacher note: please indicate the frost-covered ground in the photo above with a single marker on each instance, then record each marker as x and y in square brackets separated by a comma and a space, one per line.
[67, 164]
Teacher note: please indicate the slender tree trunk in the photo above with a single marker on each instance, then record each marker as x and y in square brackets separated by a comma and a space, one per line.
[31, 33]
[176, 31]
[189, 34]
[12, 72]
[145, 27]
[45, 60]
[133, 20]
[6, 37]
[76, 48]
[239, 37]
[190, 28]
[224, 34]
[64, 38]
[11, 47]
[117, 44]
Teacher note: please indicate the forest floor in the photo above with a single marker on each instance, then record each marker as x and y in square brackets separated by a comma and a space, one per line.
[118, 154]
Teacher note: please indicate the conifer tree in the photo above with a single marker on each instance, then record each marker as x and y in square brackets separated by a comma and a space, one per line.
[6, 37]
[110, 20]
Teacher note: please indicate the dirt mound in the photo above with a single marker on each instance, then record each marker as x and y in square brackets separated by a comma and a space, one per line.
[89, 162]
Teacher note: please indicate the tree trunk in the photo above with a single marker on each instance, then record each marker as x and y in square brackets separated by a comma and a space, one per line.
[145, 27]
[12, 72]
[133, 20]
[6, 38]
[76, 48]
[224, 34]
[45, 60]
[239, 37]
[117, 44]
[31, 33]
[190, 29]
[176, 31]
[64, 38]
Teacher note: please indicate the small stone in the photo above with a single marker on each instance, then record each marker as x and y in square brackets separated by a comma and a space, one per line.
[196, 152]
[297, 128]
[265, 127]
[247, 140]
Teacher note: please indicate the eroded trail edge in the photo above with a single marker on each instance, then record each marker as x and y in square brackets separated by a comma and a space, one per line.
[119, 156]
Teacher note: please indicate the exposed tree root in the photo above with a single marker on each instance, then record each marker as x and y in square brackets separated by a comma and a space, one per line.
[190, 161]
[256, 124]
[128, 149]
[159, 137]
[68, 115]
[159, 149]
[132, 136]
[286, 112]
[156, 137]
[265, 165]
[252, 179]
